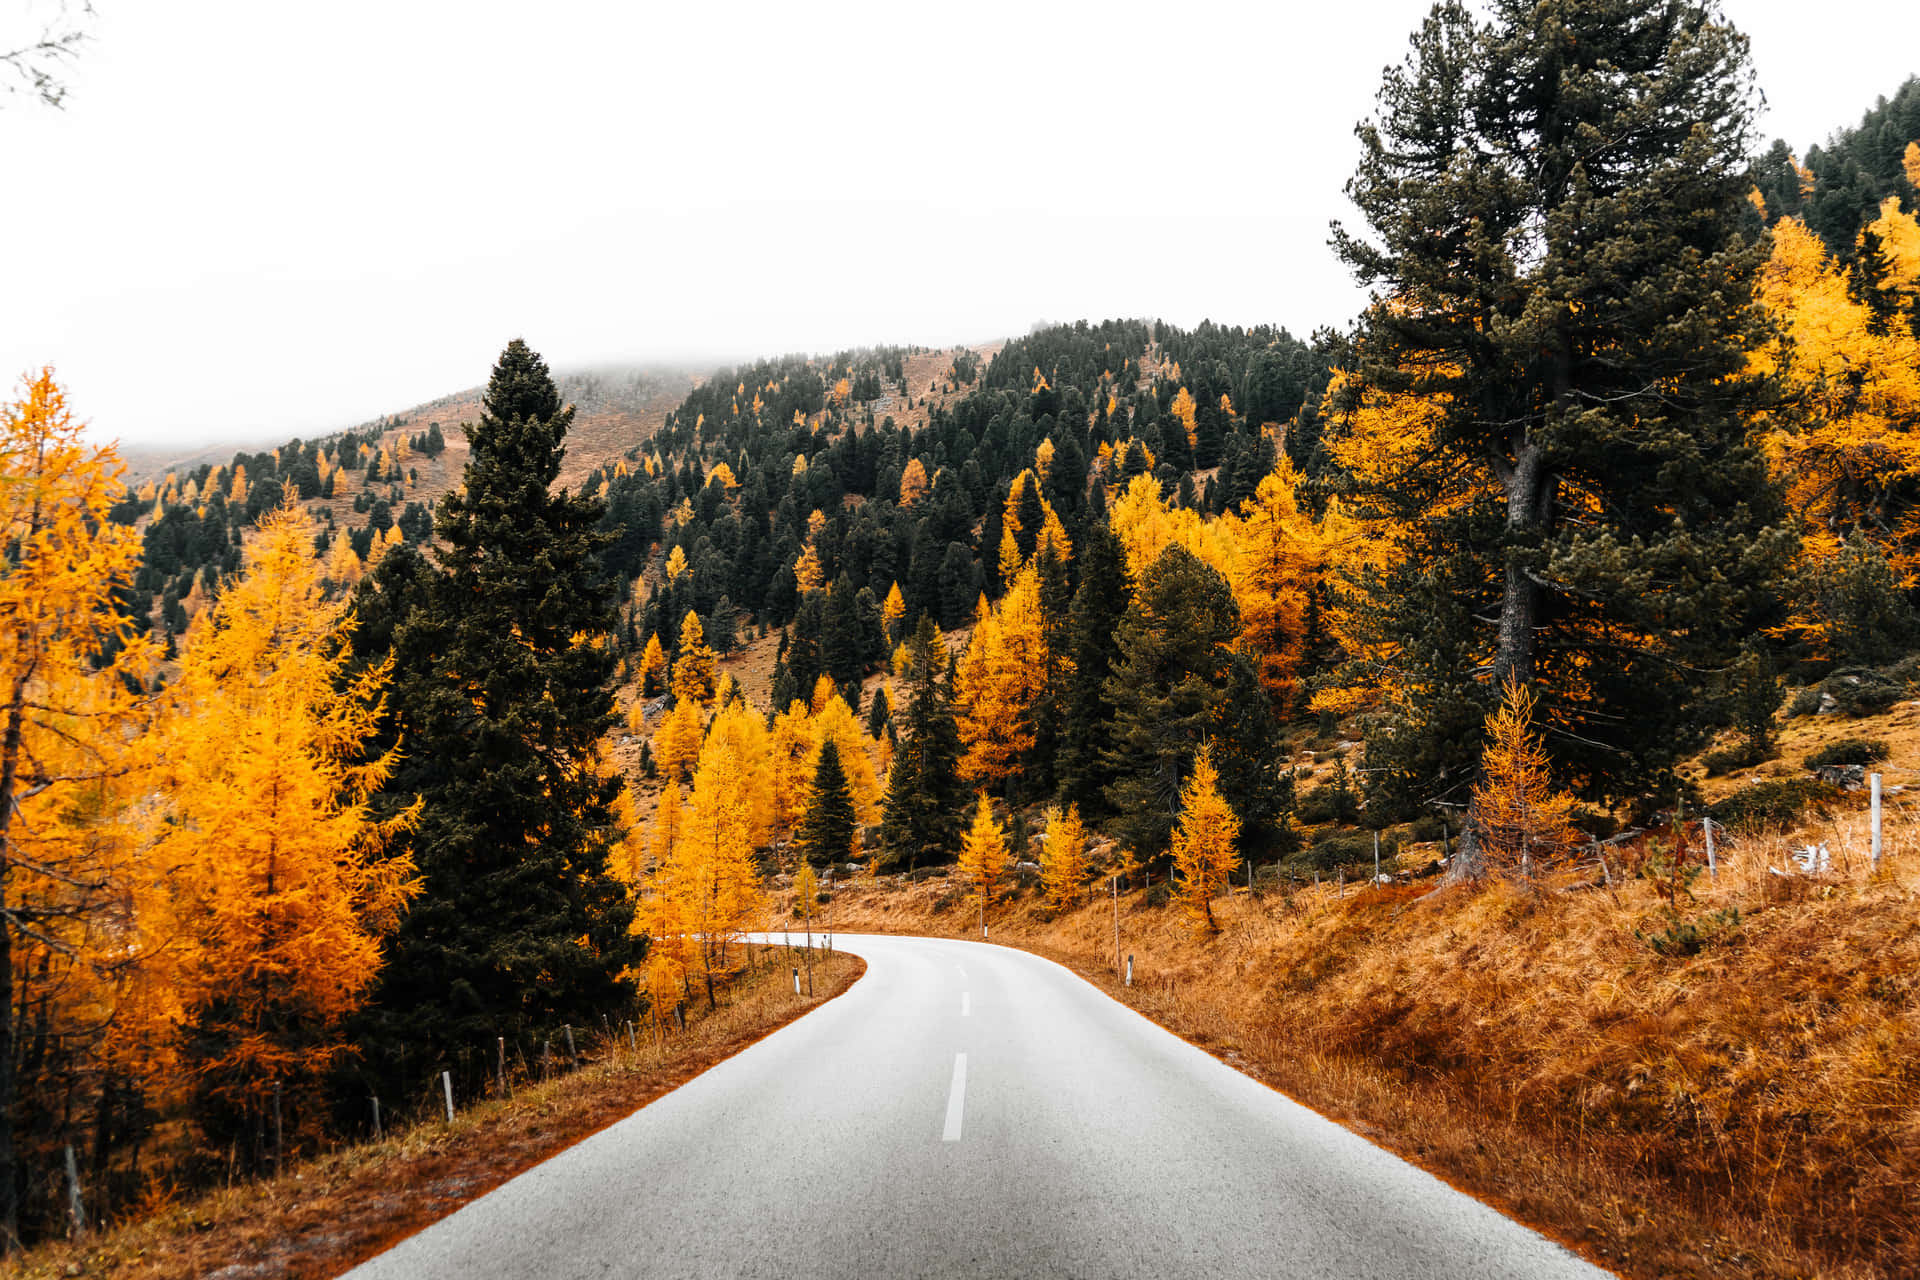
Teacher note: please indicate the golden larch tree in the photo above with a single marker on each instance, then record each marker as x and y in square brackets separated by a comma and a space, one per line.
[693, 670]
[71, 754]
[913, 482]
[282, 870]
[1203, 842]
[1520, 824]
[1063, 858]
[983, 856]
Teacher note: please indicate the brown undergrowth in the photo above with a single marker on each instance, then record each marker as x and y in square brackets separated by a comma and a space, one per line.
[1668, 1087]
[332, 1212]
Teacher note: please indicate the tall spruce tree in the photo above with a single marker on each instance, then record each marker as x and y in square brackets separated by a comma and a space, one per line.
[919, 819]
[501, 697]
[1555, 204]
[1093, 619]
[1168, 683]
[826, 831]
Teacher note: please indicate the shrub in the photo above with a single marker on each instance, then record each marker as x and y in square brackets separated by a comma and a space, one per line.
[1805, 702]
[1859, 691]
[1727, 759]
[1861, 751]
[1329, 802]
[1766, 803]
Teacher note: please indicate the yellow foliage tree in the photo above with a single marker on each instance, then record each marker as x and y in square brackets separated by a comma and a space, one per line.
[1183, 410]
[1063, 858]
[1000, 681]
[710, 872]
[676, 562]
[892, 610]
[74, 918]
[983, 857]
[676, 743]
[913, 482]
[653, 662]
[807, 573]
[693, 670]
[1203, 843]
[281, 869]
[1520, 824]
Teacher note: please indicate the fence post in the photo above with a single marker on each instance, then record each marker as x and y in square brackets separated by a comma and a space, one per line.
[501, 1066]
[573, 1054]
[1129, 970]
[446, 1086]
[1376, 859]
[77, 1214]
[375, 1099]
[633, 1041]
[796, 979]
[1713, 867]
[278, 1149]
[1875, 783]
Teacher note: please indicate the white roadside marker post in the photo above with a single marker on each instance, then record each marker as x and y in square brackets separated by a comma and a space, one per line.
[446, 1085]
[1875, 781]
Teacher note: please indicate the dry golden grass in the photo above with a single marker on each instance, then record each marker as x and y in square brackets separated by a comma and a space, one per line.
[329, 1213]
[1752, 1109]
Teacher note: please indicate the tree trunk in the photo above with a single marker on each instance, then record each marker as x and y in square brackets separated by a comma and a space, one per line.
[9, 1158]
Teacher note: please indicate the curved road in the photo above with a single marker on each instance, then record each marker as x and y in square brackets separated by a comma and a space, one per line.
[971, 1110]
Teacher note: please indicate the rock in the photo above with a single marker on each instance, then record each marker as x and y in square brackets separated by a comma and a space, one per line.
[1850, 776]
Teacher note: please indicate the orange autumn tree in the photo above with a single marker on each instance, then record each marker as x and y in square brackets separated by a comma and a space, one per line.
[74, 910]
[280, 869]
[708, 874]
[983, 857]
[1520, 824]
[1063, 857]
[1000, 681]
[1204, 842]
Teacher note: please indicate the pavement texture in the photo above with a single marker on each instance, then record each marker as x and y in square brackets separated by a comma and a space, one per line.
[972, 1110]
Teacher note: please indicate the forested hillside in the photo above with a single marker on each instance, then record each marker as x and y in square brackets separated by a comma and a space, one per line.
[422, 747]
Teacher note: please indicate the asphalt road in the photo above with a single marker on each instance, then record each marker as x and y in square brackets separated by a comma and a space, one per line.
[970, 1110]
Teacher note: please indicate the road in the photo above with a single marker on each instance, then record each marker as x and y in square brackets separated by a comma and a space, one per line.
[971, 1110]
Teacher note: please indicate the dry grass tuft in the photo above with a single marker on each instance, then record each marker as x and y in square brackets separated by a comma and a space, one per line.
[327, 1214]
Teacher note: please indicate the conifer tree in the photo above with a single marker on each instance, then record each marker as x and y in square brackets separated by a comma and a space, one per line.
[1063, 858]
[1203, 846]
[502, 689]
[1093, 621]
[693, 669]
[270, 843]
[1575, 320]
[826, 832]
[1167, 685]
[69, 729]
[1521, 824]
[983, 856]
[923, 787]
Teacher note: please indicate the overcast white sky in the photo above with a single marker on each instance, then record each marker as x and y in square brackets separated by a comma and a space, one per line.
[256, 220]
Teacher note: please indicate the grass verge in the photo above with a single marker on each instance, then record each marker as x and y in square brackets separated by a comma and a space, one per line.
[329, 1213]
[1667, 1087]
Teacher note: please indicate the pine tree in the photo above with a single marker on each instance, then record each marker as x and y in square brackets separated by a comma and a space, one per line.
[503, 695]
[1574, 322]
[924, 794]
[1098, 606]
[1167, 685]
[826, 832]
